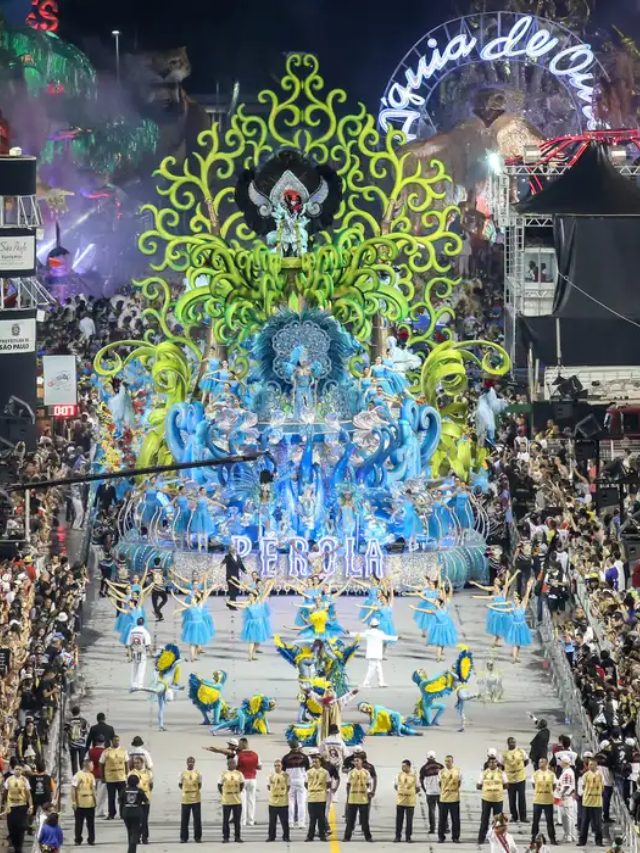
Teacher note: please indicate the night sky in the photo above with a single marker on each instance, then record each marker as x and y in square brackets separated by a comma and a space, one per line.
[359, 42]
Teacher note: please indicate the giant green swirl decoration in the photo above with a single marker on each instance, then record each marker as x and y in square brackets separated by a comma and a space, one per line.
[389, 237]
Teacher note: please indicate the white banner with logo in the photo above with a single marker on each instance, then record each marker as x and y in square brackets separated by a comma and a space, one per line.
[17, 336]
[59, 374]
[17, 252]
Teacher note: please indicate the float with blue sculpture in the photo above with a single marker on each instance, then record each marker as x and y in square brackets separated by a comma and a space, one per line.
[296, 237]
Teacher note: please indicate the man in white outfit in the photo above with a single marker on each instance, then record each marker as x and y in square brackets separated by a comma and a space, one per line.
[566, 792]
[296, 764]
[139, 647]
[374, 651]
[500, 840]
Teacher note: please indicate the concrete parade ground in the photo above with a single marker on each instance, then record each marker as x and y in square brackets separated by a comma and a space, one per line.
[106, 674]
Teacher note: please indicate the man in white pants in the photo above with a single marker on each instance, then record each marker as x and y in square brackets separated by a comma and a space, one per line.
[139, 647]
[374, 651]
[566, 792]
[295, 764]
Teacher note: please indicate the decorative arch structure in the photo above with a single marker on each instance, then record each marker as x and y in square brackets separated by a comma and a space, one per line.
[540, 59]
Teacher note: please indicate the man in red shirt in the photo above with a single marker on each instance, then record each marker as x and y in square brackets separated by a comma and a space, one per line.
[101, 789]
[248, 763]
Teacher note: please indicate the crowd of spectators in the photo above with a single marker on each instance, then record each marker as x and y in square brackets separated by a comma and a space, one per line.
[585, 577]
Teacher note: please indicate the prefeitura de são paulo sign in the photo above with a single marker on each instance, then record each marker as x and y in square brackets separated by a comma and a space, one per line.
[499, 37]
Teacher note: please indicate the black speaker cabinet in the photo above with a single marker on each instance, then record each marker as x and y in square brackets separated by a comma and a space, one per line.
[17, 175]
[631, 549]
[607, 496]
[586, 450]
[563, 410]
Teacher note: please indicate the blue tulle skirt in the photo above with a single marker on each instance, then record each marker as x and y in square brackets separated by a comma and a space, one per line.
[498, 623]
[386, 623]
[254, 626]
[519, 632]
[201, 523]
[370, 601]
[130, 622]
[183, 514]
[197, 629]
[150, 508]
[442, 632]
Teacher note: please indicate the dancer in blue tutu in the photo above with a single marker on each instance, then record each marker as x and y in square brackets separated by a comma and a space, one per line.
[150, 504]
[182, 516]
[197, 623]
[383, 612]
[442, 632]
[209, 381]
[519, 632]
[373, 593]
[132, 611]
[498, 621]
[256, 626]
[311, 591]
[428, 593]
[200, 524]
[120, 594]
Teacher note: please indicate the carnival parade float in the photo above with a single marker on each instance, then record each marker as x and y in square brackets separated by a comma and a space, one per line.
[308, 246]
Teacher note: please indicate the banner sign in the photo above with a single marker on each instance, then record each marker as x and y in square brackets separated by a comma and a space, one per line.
[17, 252]
[59, 374]
[17, 336]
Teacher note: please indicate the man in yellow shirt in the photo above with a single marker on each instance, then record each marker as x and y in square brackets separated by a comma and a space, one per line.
[407, 787]
[544, 781]
[317, 785]
[231, 785]
[114, 761]
[592, 788]
[190, 783]
[514, 760]
[18, 805]
[278, 787]
[450, 784]
[83, 801]
[358, 789]
[492, 783]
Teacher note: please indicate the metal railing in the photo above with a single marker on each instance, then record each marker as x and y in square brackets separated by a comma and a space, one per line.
[576, 716]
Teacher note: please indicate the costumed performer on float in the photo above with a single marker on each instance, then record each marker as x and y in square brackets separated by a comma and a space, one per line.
[384, 721]
[428, 710]
[201, 524]
[183, 512]
[166, 679]
[489, 405]
[249, 719]
[303, 377]
[256, 627]
[197, 623]
[443, 632]
[498, 622]
[519, 632]
[207, 695]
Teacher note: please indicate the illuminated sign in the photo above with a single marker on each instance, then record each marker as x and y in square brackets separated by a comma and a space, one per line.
[44, 16]
[370, 565]
[64, 411]
[526, 41]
